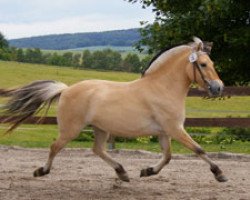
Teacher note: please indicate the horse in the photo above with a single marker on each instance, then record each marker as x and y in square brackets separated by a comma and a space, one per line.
[151, 105]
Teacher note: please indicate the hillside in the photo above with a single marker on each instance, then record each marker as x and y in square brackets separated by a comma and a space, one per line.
[14, 74]
[79, 40]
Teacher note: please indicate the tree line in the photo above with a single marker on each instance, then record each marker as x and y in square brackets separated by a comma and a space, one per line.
[106, 59]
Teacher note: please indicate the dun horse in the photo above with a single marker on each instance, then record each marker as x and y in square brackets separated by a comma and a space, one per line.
[151, 105]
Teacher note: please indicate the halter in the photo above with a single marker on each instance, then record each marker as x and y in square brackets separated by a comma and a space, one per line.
[193, 59]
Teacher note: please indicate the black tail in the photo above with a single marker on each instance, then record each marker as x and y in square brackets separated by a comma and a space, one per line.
[28, 100]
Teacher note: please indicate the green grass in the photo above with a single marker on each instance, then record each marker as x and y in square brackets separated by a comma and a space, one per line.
[41, 136]
[232, 107]
[14, 73]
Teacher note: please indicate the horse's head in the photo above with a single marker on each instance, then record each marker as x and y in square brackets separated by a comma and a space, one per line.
[202, 71]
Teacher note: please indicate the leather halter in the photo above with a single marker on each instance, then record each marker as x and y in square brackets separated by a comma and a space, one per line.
[197, 66]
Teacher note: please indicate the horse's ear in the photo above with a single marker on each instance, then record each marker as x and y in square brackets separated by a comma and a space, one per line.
[200, 47]
[199, 44]
[208, 47]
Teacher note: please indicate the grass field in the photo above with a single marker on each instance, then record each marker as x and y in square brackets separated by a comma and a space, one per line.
[232, 107]
[13, 74]
[16, 74]
[43, 135]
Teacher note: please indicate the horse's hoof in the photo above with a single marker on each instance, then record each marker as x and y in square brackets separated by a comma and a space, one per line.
[147, 172]
[40, 172]
[124, 177]
[122, 174]
[218, 174]
[221, 178]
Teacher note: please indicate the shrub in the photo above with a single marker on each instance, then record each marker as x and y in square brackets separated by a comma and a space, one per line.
[242, 134]
[85, 136]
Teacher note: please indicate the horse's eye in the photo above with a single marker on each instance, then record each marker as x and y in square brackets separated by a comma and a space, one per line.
[203, 64]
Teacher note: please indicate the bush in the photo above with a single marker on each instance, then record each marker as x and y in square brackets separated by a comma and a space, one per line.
[123, 139]
[198, 130]
[223, 138]
[242, 134]
[85, 136]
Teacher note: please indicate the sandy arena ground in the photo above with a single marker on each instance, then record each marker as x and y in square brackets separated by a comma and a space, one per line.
[79, 175]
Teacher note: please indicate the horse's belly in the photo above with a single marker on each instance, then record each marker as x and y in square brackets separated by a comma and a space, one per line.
[127, 124]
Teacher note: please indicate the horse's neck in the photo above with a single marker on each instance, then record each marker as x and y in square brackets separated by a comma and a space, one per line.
[171, 75]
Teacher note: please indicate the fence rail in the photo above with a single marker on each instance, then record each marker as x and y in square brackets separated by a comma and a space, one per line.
[228, 91]
[231, 122]
[190, 122]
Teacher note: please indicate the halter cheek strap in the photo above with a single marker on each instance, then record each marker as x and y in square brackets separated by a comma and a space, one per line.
[194, 73]
[193, 59]
[197, 66]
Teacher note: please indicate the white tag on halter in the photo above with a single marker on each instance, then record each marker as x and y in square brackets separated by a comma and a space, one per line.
[193, 57]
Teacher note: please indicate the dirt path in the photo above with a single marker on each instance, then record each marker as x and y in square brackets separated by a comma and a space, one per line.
[79, 175]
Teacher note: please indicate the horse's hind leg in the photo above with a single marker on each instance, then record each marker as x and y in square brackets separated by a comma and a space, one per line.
[165, 143]
[54, 149]
[182, 136]
[100, 149]
[69, 130]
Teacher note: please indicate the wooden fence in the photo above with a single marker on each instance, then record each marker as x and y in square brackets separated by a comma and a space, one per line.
[227, 92]
[243, 122]
[190, 122]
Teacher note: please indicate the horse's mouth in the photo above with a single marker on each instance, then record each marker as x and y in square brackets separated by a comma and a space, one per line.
[215, 88]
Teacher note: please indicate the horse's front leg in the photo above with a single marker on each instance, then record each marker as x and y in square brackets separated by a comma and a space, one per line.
[178, 133]
[100, 149]
[165, 143]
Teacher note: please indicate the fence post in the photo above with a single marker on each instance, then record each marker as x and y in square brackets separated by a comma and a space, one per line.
[111, 142]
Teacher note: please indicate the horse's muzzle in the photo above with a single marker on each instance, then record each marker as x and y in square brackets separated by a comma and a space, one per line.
[215, 87]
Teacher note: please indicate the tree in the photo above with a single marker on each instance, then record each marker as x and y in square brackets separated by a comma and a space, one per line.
[99, 60]
[12, 53]
[4, 48]
[46, 58]
[55, 59]
[145, 62]
[3, 42]
[37, 56]
[33, 56]
[20, 55]
[87, 60]
[224, 22]
[132, 63]
[112, 59]
[76, 60]
[67, 59]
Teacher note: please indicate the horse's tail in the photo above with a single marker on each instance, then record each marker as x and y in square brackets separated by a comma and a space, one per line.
[28, 100]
